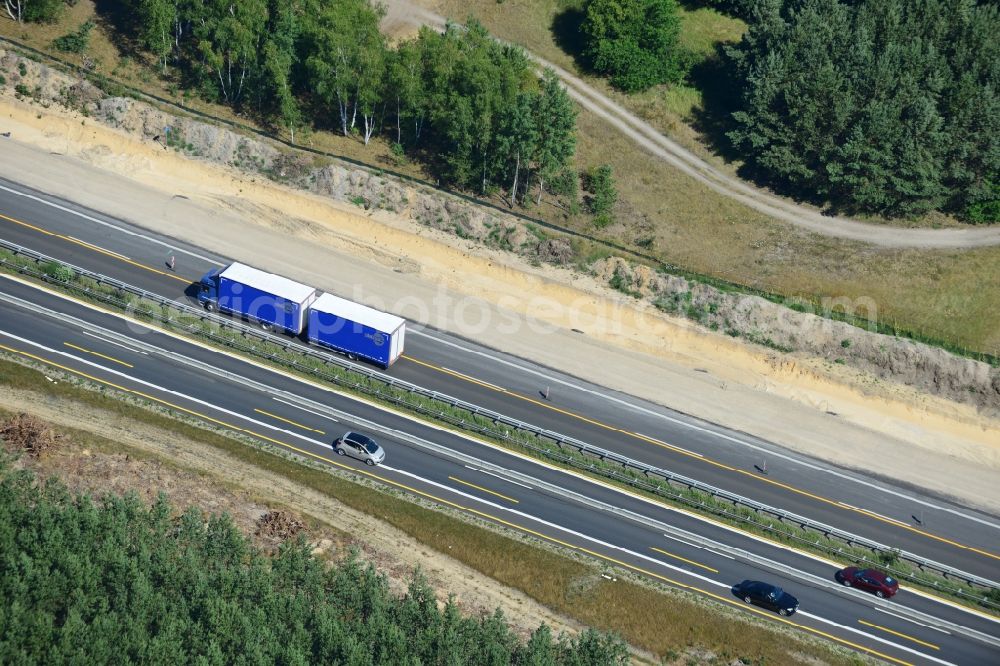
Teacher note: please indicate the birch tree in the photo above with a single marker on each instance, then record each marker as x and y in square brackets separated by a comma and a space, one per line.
[13, 8]
[369, 64]
[330, 63]
[278, 58]
[229, 37]
[518, 138]
[158, 19]
[406, 88]
[555, 118]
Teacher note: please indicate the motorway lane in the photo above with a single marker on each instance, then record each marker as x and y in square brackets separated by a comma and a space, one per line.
[123, 362]
[866, 506]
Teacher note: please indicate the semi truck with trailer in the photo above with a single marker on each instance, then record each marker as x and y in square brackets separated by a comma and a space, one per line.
[277, 303]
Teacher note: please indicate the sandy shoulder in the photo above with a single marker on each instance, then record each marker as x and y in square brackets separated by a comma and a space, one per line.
[390, 262]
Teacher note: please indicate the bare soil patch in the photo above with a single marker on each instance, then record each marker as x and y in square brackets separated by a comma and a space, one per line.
[114, 453]
[27, 433]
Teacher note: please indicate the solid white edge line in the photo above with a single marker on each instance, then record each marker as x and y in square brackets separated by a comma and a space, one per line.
[560, 528]
[873, 637]
[432, 426]
[553, 379]
[715, 433]
[162, 389]
[901, 617]
[117, 344]
[505, 479]
[105, 223]
[442, 486]
[530, 370]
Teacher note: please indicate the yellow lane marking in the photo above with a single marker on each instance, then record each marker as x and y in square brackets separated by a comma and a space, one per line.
[485, 490]
[294, 423]
[874, 515]
[564, 412]
[500, 389]
[475, 381]
[88, 351]
[107, 253]
[679, 450]
[896, 633]
[702, 458]
[97, 248]
[25, 224]
[863, 512]
[465, 435]
[683, 559]
[470, 510]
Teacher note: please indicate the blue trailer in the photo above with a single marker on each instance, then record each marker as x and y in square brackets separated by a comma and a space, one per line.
[263, 298]
[356, 330]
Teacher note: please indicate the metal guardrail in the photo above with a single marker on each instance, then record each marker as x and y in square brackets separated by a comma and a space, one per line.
[674, 269]
[883, 555]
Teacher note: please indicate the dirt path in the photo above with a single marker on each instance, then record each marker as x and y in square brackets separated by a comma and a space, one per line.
[403, 12]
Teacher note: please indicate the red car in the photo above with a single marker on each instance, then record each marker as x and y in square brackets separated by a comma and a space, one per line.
[869, 580]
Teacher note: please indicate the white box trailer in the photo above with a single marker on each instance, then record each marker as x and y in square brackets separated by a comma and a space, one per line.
[356, 330]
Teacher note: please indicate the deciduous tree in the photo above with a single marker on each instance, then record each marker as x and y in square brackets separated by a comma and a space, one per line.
[634, 42]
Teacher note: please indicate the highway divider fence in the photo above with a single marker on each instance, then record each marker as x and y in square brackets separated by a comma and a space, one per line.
[116, 88]
[541, 442]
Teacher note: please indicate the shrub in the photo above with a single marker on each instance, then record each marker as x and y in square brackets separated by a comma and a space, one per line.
[75, 42]
[59, 272]
[602, 220]
[634, 42]
[603, 195]
[42, 11]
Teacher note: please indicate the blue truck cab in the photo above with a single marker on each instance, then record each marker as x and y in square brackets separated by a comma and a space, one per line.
[208, 290]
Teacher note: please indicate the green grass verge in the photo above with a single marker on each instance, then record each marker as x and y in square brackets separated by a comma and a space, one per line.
[650, 616]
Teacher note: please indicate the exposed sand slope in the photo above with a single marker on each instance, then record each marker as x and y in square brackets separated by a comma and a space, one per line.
[440, 280]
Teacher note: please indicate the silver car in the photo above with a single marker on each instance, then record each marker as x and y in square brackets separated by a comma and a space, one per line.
[359, 446]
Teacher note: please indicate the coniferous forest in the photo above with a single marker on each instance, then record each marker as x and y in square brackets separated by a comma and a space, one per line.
[885, 107]
[115, 581]
[889, 107]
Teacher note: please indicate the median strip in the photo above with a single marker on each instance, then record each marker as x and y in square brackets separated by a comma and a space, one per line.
[524, 438]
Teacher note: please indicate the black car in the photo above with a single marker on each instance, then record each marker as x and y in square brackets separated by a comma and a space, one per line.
[766, 595]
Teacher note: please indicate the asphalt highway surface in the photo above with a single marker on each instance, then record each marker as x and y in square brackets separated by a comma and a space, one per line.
[865, 502]
[576, 513]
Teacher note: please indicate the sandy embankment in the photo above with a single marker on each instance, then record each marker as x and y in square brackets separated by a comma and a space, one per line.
[428, 276]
